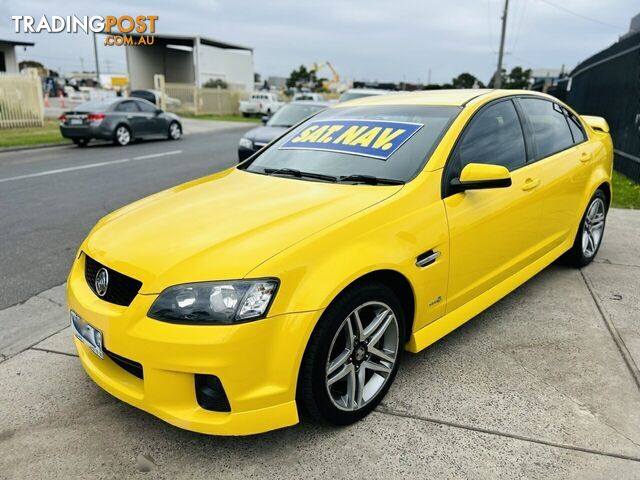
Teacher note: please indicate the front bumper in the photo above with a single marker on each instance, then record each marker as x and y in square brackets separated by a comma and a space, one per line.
[256, 362]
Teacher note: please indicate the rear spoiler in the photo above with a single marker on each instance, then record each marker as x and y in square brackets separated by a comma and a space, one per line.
[597, 123]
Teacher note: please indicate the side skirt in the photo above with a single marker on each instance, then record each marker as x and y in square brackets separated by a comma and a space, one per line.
[433, 332]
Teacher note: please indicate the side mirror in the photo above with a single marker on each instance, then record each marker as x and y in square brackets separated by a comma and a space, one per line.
[265, 119]
[158, 111]
[478, 176]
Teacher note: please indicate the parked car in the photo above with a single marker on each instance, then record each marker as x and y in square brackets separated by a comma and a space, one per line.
[153, 96]
[296, 279]
[274, 126]
[260, 103]
[313, 97]
[121, 120]
[354, 93]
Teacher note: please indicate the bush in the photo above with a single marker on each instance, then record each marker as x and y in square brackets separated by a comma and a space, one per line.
[211, 83]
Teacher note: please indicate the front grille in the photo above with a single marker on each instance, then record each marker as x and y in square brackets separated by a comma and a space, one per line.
[121, 289]
[134, 368]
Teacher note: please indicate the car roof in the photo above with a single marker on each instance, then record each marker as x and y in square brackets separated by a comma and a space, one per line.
[372, 91]
[452, 97]
[317, 103]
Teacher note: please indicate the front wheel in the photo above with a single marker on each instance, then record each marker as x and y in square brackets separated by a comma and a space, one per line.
[589, 236]
[175, 132]
[353, 355]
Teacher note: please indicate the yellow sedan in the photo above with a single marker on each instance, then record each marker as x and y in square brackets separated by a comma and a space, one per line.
[294, 281]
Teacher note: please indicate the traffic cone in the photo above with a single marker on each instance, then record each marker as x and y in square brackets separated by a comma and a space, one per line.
[61, 99]
[46, 100]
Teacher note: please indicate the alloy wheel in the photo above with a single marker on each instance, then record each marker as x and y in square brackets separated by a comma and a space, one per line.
[174, 131]
[362, 355]
[123, 136]
[593, 228]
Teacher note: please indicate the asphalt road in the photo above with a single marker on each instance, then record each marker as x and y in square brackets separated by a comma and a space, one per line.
[50, 198]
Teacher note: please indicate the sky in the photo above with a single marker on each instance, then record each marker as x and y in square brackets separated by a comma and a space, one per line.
[371, 40]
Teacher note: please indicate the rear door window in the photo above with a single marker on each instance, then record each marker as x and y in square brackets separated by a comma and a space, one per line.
[576, 128]
[129, 106]
[549, 127]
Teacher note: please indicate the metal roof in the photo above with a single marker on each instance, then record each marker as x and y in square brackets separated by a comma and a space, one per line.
[17, 43]
[190, 40]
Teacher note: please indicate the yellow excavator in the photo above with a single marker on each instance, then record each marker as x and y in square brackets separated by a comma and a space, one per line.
[335, 79]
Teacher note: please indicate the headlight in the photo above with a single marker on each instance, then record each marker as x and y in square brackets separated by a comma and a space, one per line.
[246, 143]
[215, 302]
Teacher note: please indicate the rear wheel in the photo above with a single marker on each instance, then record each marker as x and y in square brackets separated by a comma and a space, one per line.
[589, 236]
[122, 136]
[353, 355]
[175, 132]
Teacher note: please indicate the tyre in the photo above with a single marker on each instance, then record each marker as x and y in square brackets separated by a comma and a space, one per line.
[122, 136]
[81, 142]
[353, 355]
[590, 233]
[175, 131]
[245, 114]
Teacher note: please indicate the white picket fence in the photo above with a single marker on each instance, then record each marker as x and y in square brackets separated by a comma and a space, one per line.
[21, 103]
[204, 100]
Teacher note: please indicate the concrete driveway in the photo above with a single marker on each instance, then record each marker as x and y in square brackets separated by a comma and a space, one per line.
[545, 384]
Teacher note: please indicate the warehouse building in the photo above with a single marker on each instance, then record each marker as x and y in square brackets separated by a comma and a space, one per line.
[8, 61]
[190, 60]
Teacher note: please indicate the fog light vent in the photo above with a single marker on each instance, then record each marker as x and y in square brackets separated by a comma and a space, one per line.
[210, 393]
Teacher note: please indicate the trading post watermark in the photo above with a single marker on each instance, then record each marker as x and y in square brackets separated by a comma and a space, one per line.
[118, 30]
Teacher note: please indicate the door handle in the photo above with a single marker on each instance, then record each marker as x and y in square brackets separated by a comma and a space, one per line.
[530, 184]
[427, 258]
[585, 156]
[129, 116]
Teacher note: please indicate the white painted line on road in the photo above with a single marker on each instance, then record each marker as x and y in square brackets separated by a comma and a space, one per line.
[84, 167]
[154, 155]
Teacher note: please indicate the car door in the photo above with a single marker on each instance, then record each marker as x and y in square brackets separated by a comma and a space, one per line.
[130, 111]
[493, 233]
[154, 124]
[558, 141]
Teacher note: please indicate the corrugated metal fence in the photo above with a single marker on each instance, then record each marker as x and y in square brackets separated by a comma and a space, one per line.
[20, 101]
[608, 85]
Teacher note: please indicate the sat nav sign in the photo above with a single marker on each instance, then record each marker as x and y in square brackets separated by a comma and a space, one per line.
[368, 138]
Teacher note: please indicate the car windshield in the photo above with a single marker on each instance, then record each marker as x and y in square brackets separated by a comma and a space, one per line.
[386, 142]
[353, 95]
[291, 114]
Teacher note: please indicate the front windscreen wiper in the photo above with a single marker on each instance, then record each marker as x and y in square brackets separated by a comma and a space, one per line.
[370, 180]
[299, 174]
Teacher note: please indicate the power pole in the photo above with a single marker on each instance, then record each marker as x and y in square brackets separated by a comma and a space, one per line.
[498, 78]
[95, 54]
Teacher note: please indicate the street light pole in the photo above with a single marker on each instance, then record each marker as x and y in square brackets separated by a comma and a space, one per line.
[498, 77]
[95, 54]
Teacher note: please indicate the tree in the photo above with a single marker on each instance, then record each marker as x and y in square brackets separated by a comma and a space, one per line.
[303, 78]
[466, 80]
[518, 78]
[30, 64]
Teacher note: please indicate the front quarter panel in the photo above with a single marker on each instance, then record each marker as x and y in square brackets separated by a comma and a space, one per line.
[387, 236]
